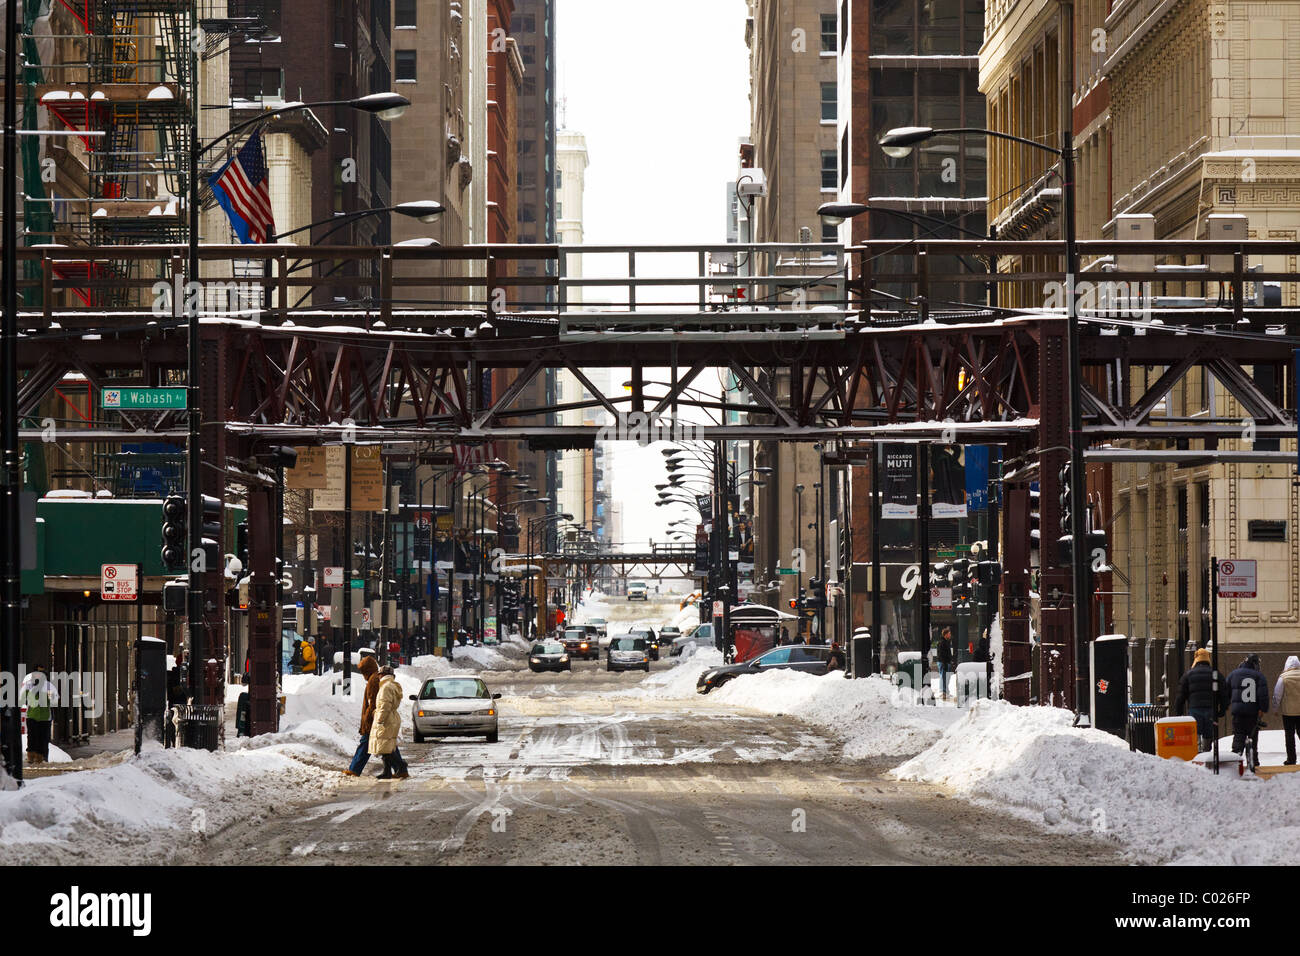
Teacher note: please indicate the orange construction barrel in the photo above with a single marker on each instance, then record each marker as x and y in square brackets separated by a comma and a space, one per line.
[1176, 737]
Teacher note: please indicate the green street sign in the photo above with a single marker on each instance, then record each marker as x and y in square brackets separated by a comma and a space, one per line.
[786, 571]
[131, 399]
[358, 583]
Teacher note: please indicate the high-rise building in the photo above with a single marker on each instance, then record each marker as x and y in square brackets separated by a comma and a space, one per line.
[533, 28]
[337, 51]
[575, 485]
[1203, 138]
[793, 110]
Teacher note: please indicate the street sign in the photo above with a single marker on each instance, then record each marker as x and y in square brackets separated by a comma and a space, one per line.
[119, 582]
[717, 609]
[786, 571]
[358, 584]
[1237, 578]
[941, 599]
[141, 399]
[332, 577]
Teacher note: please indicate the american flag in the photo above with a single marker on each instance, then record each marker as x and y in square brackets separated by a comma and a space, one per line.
[242, 187]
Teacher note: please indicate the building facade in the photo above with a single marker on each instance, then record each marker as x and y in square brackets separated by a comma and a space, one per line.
[1205, 114]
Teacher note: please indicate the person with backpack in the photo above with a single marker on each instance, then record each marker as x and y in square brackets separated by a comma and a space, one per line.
[1286, 701]
[1249, 700]
[1196, 694]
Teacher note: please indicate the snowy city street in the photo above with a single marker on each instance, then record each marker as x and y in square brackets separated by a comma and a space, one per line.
[498, 434]
[600, 768]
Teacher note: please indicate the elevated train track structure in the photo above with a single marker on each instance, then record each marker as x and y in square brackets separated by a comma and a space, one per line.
[825, 346]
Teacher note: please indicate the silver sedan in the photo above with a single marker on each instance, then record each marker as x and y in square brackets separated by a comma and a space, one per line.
[454, 707]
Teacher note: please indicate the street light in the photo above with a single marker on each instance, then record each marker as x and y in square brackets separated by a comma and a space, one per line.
[387, 106]
[898, 143]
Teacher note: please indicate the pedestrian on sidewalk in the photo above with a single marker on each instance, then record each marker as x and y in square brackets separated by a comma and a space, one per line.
[39, 697]
[945, 661]
[1196, 695]
[1249, 700]
[1286, 700]
[387, 724]
[369, 669]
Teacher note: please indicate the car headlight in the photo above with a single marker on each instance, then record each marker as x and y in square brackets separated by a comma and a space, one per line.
[534, 660]
[564, 658]
[582, 647]
[491, 712]
[708, 676]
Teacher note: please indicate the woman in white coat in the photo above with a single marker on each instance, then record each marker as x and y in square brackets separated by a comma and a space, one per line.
[1286, 701]
[387, 725]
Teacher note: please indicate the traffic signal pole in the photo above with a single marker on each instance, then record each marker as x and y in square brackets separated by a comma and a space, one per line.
[923, 546]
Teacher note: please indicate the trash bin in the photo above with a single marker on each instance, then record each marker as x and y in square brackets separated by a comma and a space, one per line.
[1142, 726]
[200, 726]
[911, 670]
[972, 682]
[861, 653]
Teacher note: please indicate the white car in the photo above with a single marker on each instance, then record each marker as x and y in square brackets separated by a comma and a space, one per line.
[628, 652]
[637, 591]
[454, 707]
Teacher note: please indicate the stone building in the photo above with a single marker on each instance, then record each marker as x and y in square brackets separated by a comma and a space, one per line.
[1205, 112]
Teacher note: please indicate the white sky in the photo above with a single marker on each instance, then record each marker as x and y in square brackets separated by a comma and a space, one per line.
[661, 91]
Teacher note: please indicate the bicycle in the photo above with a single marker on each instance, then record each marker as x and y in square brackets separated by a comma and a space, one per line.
[1250, 751]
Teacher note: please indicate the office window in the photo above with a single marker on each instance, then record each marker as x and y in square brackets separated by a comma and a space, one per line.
[830, 33]
[559, 178]
[528, 52]
[830, 101]
[830, 233]
[403, 13]
[404, 66]
[830, 169]
[559, 210]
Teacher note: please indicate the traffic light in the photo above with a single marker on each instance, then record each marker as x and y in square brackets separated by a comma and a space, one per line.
[1064, 475]
[211, 538]
[241, 544]
[1035, 519]
[174, 533]
[816, 592]
[990, 573]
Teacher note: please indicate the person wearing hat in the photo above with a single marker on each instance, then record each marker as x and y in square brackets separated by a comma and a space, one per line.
[1196, 694]
[1286, 701]
[1249, 700]
[835, 659]
[309, 656]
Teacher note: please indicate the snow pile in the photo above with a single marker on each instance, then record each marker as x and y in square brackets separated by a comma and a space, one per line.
[147, 807]
[1030, 761]
[871, 716]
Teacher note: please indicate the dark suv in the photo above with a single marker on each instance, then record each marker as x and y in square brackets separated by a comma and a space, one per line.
[809, 658]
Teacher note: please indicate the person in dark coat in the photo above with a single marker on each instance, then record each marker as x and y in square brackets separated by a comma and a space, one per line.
[1196, 697]
[369, 668]
[945, 660]
[1249, 700]
[835, 660]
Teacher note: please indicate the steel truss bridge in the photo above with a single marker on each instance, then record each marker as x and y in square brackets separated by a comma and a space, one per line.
[315, 344]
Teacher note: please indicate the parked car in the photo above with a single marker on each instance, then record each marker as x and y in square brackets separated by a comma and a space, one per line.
[549, 656]
[809, 658]
[697, 635]
[667, 634]
[600, 624]
[651, 642]
[454, 707]
[637, 591]
[627, 652]
[579, 642]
